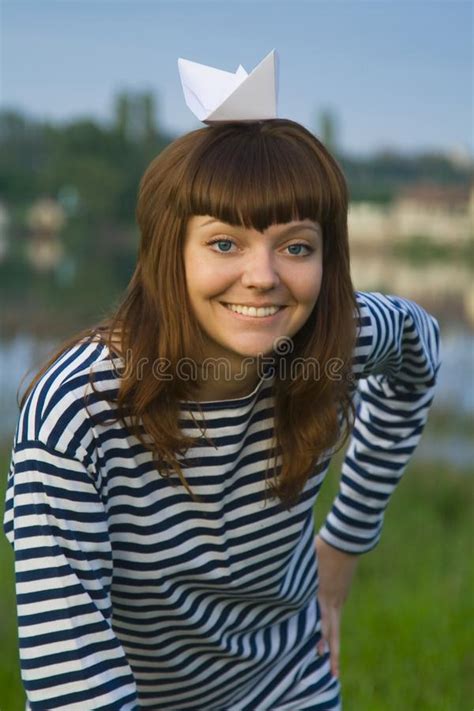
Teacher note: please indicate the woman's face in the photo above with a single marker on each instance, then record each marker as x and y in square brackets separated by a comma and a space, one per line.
[226, 265]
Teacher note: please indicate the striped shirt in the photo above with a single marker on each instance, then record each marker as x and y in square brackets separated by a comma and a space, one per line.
[132, 596]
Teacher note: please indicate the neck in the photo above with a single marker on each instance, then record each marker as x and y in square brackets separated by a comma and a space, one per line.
[235, 385]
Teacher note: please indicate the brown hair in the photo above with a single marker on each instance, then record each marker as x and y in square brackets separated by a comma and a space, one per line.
[254, 175]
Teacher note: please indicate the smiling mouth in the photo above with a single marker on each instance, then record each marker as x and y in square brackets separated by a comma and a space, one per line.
[254, 315]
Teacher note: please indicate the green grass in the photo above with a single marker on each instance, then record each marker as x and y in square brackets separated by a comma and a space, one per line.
[406, 640]
[406, 626]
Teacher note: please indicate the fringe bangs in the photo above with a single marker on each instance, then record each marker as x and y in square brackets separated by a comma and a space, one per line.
[258, 174]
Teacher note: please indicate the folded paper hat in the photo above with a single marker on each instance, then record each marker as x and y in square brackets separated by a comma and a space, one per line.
[214, 95]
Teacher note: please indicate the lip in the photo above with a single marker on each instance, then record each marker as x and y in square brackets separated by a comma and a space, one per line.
[255, 306]
[263, 319]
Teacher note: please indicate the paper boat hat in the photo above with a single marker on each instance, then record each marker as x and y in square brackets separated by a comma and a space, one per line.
[214, 95]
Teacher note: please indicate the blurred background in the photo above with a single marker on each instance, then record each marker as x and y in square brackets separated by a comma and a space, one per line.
[90, 93]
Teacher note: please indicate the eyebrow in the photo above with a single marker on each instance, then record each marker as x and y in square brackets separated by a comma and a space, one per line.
[287, 231]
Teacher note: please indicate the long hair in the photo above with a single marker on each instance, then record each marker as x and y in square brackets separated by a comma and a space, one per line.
[246, 174]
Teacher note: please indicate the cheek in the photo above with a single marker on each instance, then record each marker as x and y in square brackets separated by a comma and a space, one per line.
[307, 284]
[205, 279]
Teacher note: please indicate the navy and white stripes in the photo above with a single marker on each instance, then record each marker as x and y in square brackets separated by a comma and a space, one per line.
[132, 596]
[397, 370]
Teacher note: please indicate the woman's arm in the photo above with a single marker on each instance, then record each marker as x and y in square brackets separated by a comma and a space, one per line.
[335, 572]
[397, 360]
[56, 522]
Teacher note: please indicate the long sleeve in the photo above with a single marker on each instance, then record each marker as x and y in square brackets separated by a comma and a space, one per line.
[56, 522]
[396, 362]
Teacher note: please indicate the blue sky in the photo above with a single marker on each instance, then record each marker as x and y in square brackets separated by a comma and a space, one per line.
[398, 73]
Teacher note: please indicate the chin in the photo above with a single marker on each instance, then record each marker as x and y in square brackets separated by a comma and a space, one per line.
[253, 352]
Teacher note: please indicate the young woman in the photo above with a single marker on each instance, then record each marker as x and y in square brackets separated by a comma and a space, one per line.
[166, 462]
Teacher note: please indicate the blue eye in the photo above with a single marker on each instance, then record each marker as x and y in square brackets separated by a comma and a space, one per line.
[298, 254]
[227, 242]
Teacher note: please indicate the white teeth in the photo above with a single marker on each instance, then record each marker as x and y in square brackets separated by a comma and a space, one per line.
[252, 311]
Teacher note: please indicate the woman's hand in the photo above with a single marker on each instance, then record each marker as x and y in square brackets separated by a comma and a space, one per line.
[336, 570]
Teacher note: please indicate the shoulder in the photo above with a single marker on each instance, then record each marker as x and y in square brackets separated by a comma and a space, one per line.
[56, 410]
[389, 325]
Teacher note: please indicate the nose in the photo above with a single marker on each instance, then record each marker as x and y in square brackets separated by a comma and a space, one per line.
[260, 272]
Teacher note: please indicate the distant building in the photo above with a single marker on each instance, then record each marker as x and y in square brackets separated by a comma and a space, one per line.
[45, 219]
[461, 157]
[444, 214]
[369, 224]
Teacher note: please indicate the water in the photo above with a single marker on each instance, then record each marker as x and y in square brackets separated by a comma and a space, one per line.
[456, 377]
[17, 356]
